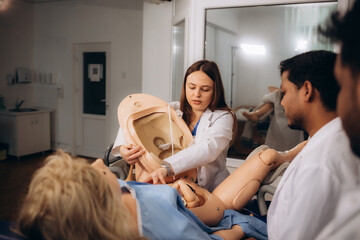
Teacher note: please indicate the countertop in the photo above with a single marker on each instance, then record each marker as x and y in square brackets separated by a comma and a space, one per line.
[39, 110]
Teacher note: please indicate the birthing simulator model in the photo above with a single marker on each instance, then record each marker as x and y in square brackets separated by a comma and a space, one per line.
[150, 122]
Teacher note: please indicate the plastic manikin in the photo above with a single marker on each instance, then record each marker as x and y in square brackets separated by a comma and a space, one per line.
[144, 120]
[237, 189]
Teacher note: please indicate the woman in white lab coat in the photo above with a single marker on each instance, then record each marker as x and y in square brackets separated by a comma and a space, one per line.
[211, 122]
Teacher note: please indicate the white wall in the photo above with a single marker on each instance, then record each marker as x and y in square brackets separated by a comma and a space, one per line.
[16, 41]
[59, 25]
[157, 35]
[41, 37]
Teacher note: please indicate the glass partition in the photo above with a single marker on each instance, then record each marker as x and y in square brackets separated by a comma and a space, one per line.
[248, 44]
[178, 71]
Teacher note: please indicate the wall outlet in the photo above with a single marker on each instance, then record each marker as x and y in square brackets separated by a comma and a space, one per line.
[60, 91]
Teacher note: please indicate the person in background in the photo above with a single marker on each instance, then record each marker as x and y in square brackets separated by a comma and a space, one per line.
[211, 122]
[279, 136]
[309, 190]
[345, 31]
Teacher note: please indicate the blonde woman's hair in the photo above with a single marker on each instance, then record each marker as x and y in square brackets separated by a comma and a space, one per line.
[69, 199]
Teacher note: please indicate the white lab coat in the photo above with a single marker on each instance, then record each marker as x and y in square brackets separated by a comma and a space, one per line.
[308, 192]
[279, 136]
[346, 223]
[207, 154]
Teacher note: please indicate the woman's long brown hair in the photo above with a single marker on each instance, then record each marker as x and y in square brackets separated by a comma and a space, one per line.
[218, 102]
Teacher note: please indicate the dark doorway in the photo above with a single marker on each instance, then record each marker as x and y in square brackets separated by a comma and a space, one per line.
[94, 83]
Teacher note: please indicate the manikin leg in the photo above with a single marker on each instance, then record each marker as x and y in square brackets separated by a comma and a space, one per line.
[238, 189]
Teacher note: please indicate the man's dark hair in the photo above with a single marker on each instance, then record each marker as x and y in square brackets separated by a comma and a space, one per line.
[318, 68]
[346, 31]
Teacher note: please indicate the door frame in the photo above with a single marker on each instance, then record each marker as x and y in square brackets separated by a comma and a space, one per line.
[78, 61]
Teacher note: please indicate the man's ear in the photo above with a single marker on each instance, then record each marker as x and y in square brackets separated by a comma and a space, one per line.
[308, 91]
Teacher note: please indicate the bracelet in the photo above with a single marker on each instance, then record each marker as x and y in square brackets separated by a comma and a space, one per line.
[167, 166]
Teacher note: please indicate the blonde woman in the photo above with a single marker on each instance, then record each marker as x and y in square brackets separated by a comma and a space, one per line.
[71, 199]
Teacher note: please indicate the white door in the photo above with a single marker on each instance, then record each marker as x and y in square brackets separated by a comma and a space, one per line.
[92, 88]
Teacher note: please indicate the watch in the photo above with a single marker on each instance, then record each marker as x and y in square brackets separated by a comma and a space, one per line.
[167, 166]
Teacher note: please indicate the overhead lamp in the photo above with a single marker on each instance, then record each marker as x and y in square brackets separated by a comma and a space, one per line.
[301, 45]
[253, 49]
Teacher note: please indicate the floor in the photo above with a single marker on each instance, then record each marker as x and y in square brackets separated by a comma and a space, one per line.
[15, 177]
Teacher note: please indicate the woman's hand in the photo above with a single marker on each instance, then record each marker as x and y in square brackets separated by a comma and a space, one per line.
[158, 176]
[131, 153]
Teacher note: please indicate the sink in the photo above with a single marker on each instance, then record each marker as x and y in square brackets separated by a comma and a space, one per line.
[23, 110]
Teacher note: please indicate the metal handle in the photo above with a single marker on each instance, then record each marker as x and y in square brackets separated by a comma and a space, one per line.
[105, 101]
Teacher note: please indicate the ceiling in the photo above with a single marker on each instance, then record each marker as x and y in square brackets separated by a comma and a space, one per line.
[45, 1]
[42, 1]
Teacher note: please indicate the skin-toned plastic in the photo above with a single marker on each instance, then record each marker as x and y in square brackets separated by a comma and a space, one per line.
[237, 189]
[144, 120]
[206, 206]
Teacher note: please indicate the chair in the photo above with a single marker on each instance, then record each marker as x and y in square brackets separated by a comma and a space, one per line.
[267, 187]
[116, 164]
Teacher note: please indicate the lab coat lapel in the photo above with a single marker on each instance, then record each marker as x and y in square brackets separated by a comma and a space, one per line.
[291, 168]
[314, 141]
[205, 122]
[288, 173]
